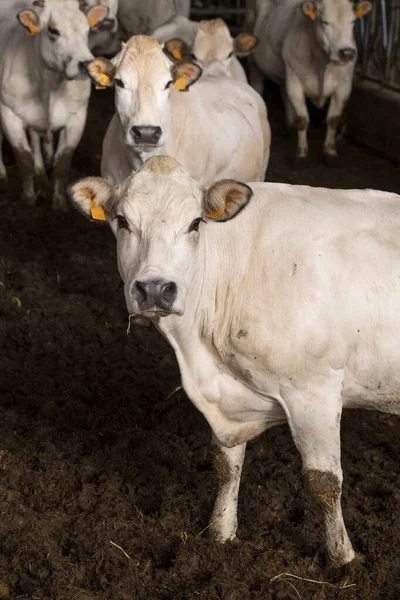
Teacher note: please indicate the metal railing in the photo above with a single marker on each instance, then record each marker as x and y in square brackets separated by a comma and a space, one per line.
[378, 39]
[232, 11]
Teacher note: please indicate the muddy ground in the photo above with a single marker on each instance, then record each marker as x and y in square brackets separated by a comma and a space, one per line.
[106, 483]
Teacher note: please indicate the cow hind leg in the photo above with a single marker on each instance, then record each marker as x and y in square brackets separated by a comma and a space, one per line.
[228, 464]
[315, 424]
[336, 106]
[296, 97]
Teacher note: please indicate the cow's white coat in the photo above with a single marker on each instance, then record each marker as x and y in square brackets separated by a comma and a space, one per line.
[304, 56]
[287, 313]
[218, 129]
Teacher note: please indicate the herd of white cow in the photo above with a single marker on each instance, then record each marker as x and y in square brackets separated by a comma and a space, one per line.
[281, 302]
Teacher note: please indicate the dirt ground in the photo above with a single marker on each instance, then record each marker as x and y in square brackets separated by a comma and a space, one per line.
[106, 483]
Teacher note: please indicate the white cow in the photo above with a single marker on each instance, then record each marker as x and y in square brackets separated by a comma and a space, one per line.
[144, 16]
[226, 119]
[211, 42]
[44, 88]
[287, 313]
[104, 38]
[309, 48]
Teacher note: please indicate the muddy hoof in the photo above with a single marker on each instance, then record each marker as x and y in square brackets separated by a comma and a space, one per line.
[60, 203]
[331, 160]
[29, 198]
[41, 184]
[300, 162]
[348, 571]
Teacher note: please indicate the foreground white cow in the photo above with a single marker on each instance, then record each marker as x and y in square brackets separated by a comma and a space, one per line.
[287, 313]
[44, 89]
[211, 41]
[144, 16]
[218, 128]
[103, 37]
[309, 48]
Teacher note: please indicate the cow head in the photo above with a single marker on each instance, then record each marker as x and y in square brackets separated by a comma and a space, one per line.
[333, 21]
[62, 31]
[143, 77]
[213, 43]
[161, 215]
[109, 22]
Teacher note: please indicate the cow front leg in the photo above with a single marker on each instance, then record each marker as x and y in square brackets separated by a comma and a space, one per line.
[335, 110]
[297, 99]
[14, 130]
[69, 138]
[314, 421]
[228, 464]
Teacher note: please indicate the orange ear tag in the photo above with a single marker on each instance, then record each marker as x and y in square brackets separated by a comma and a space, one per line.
[176, 54]
[104, 81]
[181, 85]
[97, 212]
[216, 214]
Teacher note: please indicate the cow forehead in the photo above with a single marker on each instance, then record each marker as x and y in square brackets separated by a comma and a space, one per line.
[144, 56]
[337, 10]
[168, 196]
[62, 12]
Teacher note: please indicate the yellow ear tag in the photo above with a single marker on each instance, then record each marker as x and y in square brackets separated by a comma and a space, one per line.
[360, 12]
[32, 28]
[181, 85]
[104, 80]
[97, 212]
[176, 54]
[216, 214]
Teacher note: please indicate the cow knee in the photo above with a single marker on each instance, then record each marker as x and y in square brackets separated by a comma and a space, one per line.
[301, 123]
[324, 487]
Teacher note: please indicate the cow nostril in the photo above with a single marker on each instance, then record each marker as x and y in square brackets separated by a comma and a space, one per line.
[139, 292]
[136, 133]
[157, 133]
[347, 53]
[168, 292]
[146, 134]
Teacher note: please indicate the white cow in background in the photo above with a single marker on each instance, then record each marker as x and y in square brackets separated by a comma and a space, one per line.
[219, 128]
[211, 41]
[309, 48]
[144, 16]
[287, 313]
[104, 38]
[44, 88]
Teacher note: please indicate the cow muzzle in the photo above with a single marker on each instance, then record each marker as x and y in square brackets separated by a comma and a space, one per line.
[346, 55]
[108, 24]
[156, 296]
[146, 135]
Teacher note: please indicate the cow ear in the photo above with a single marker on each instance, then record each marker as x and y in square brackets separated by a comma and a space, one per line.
[225, 199]
[184, 75]
[96, 15]
[244, 44]
[30, 20]
[361, 9]
[176, 49]
[93, 196]
[310, 10]
[102, 71]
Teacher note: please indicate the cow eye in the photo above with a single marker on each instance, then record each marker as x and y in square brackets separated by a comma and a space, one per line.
[119, 83]
[122, 222]
[324, 22]
[230, 54]
[53, 31]
[168, 84]
[194, 226]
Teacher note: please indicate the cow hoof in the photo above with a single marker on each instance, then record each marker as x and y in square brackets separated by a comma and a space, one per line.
[41, 184]
[300, 162]
[29, 199]
[346, 571]
[331, 160]
[60, 203]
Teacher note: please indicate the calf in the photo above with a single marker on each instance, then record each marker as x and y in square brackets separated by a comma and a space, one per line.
[218, 129]
[44, 89]
[288, 312]
[309, 48]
